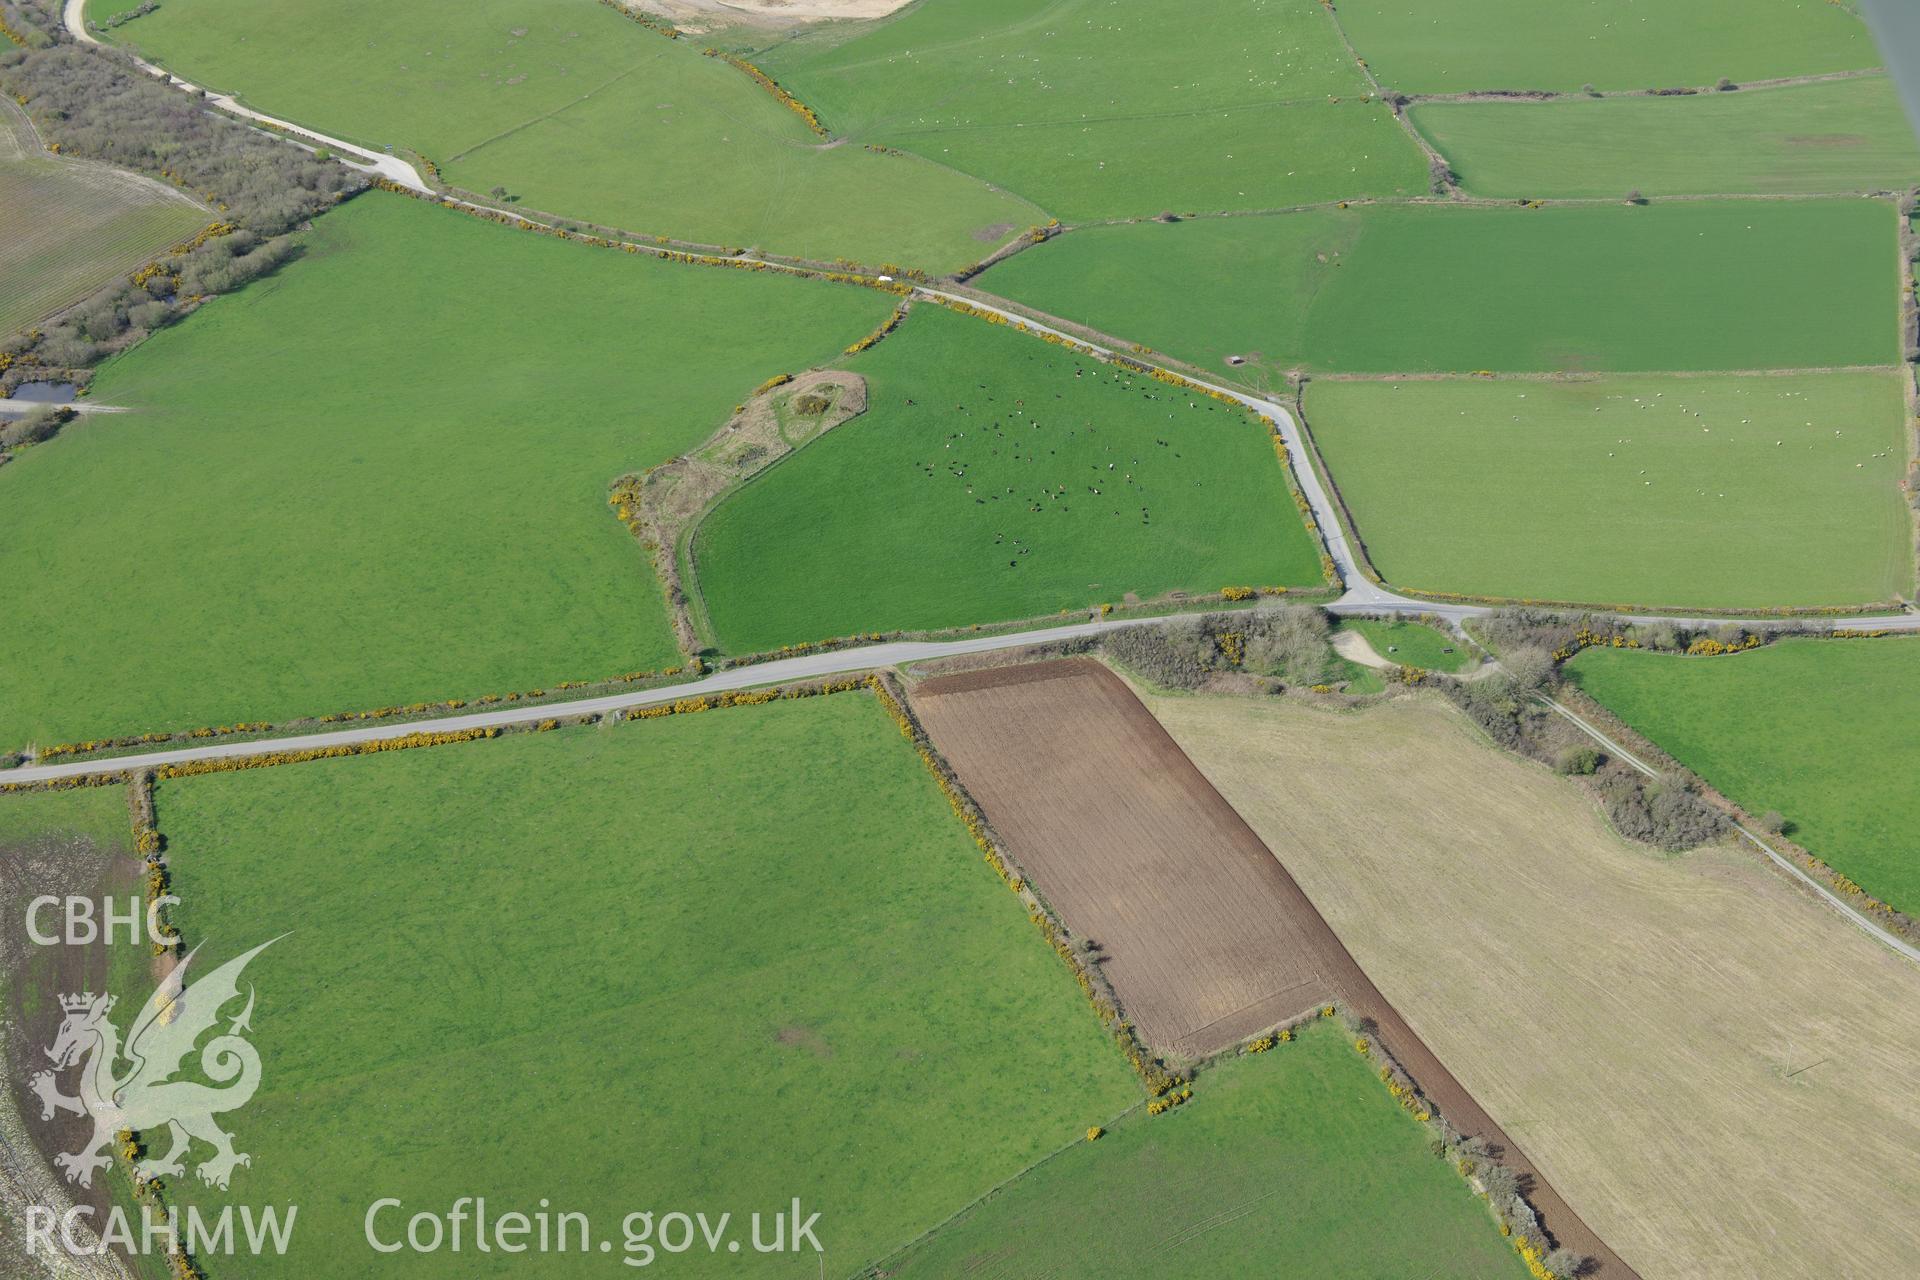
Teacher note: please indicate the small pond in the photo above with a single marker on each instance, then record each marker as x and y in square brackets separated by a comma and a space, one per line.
[45, 392]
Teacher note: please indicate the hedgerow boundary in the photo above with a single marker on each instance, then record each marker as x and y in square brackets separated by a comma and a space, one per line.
[130, 1144]
[1357, 545]
[1893, 920]
[1173, 604]
[565, 690]
[1502, 1188]
[1499, 1187]
[1165, 1088]
[1160, 1081]
[662, 505]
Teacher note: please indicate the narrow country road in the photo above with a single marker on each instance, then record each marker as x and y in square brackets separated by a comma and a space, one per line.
[389, 167]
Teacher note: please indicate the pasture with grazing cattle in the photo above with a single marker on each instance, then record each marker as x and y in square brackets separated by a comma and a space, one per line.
[994, 477]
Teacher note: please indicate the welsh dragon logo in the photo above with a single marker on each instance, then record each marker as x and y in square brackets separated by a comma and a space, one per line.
[148, 1096]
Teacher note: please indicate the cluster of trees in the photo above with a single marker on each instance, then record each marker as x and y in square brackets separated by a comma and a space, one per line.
[1289, 643]
[1668, 812]
[31, 427]
[95, 104]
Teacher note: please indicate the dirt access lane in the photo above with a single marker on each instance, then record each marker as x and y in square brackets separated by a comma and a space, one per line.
[1208, 937]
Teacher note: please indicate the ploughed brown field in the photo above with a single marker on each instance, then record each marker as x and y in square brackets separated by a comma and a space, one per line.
[1207, 939]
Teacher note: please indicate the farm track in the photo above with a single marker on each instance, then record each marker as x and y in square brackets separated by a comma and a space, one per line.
[1138, 851]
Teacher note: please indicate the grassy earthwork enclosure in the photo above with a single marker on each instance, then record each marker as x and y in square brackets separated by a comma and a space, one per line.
[344, 529]
[578, 111]
[1830, 136]
[1254, 104]
[1820, 731]
[706, 962]
[67, 226]
[1411, 288]
[1296, 1157]
[1708, 491]
[997, 477]
[1462, 46]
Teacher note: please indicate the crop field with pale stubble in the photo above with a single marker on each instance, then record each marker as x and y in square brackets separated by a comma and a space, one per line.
[1717, 1072]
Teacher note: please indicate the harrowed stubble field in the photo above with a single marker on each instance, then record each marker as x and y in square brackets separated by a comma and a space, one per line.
[1698, 491]
[580, 112]
[965, 494]
[1416, 288]
[1820, 731]
[1254, 104]
[1626, 1015]
[380, 476]
[713, 961]
[68, 227]
[1297, 1153]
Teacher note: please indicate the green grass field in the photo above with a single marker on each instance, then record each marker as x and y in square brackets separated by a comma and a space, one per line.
[966, 493]
[1834, 136]
[1235, 109]
[1294, 1162]
[580, 112]
[379, 476]
[708, 963]
[1699, 285]
[1456, 46]
[1822, 731]
[1414, 644]
[1702, 492]
[98, 814]
[69, 227]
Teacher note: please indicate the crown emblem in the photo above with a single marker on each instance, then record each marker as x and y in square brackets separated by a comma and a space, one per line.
[82, 1002]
